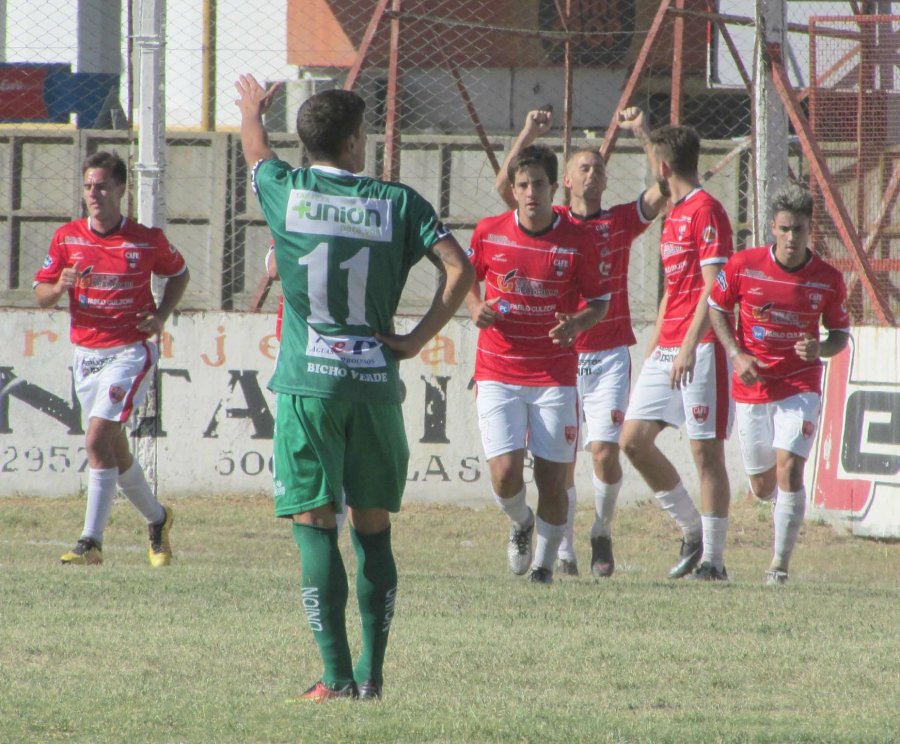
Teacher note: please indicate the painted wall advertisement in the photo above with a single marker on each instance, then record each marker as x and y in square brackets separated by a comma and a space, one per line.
[208, 426]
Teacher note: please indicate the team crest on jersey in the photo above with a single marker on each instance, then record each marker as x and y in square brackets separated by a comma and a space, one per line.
[313, 213]
[815, 300]
[709, 234]
[571, 434]
[117, 393]
[700, 413]
[561, 265]
[617, 417]
[808, 429]
[602, 228]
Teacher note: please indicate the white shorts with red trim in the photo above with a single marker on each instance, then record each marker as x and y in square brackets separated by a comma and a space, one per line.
[604, 381]
[788, 424]
[112, 382]
[513, 417]
[704, 405]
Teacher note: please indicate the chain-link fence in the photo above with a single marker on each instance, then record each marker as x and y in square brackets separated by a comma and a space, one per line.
[448, 84]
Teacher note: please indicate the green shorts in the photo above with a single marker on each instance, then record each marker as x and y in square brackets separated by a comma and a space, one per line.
[324, 447]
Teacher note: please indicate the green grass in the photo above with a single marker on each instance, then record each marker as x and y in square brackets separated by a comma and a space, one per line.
[211, 649]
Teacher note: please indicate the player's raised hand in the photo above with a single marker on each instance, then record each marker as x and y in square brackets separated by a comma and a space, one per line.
[808, 348]
[483, 314]
[631, 118]
[537, 122]
[253, 99]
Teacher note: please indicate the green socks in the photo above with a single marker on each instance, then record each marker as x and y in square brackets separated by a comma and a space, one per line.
[376, 590]
[323, 593]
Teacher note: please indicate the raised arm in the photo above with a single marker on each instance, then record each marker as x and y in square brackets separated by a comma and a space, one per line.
[632, 119]
[537, 122]
[253, 101]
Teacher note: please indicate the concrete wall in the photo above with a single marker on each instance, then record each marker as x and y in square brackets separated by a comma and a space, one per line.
[213, 418]
[214, 218]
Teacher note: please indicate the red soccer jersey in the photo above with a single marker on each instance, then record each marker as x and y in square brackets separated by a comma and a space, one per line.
[696, 233]
[113, 287]
[778, 308]
[532, 277]
[615, 230]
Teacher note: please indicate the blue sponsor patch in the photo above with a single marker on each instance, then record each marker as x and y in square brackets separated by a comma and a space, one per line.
[503, 306]
[759, 333]
[721, 281]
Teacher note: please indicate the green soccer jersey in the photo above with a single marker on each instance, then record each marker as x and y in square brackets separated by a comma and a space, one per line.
[344, 245]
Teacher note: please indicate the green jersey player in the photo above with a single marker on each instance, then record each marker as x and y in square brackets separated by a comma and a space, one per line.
[344, 246]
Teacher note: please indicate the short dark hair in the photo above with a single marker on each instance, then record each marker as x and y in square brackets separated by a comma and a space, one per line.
[681, 147]
[793, 197]
[109, 161]
[540, 155]
[327, 120]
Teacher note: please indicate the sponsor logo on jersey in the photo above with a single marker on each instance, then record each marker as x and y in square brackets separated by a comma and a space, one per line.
[784, 317]
[762, 312]
[604, 267]
[808, 429]
[340, 216]
[503, 306]
[709, 234]
[117, 393]
[353, 351]
[670, 249]
[442, 231]
[617, 417]
[499, 257]
[758, 332]
[571, 434]
[470, 252]
[722, 281]
[522, 285]
[48, 262]
[700, 413]
[109, 281]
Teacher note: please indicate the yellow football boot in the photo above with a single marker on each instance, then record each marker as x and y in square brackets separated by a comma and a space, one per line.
[160, 552]
[87, 552]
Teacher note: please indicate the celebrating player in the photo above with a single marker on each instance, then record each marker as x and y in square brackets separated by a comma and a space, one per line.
[604, 362]
[536, 266]
[344, 246]
[782, 290]
[685, 378]
[104, 263]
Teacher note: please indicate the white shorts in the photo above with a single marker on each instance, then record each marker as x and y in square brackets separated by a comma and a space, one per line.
[513, 417]
[604, 381]
[788, 424]
[704, 406]
[112, 382]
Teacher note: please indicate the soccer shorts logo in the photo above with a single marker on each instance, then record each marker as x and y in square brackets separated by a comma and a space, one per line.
[701, 413]
[617, 416]
[571, 434]
[808, 429]
[117, 393]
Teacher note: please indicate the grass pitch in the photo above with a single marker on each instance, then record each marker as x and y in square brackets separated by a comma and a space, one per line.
[213, 648]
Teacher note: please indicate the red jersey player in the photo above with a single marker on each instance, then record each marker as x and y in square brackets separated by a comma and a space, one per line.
[604, 360]
[104, 263]
[685, 378]
[536, 266]
[783, 290]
